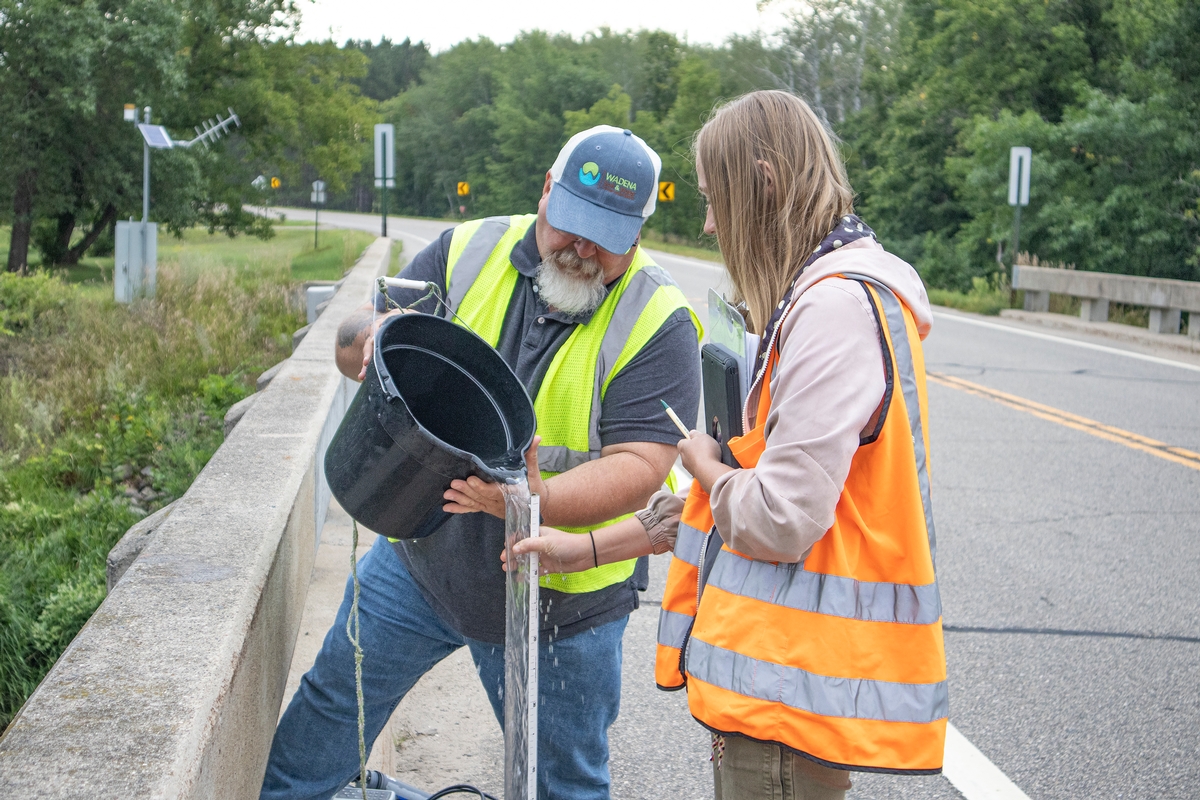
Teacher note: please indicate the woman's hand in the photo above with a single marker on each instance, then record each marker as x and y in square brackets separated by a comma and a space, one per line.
[701, 455]
[475, 494]
[557, 551]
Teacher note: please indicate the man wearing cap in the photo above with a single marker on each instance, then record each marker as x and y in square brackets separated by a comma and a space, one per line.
[599, 335]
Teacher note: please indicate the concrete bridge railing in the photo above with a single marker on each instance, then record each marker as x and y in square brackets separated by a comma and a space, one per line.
[173, 688]
[1165, 298]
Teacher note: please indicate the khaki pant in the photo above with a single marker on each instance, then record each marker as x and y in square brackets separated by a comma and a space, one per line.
[750, 770]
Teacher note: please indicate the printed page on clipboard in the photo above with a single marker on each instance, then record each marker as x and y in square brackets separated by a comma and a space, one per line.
[725, 364]
[727, 327]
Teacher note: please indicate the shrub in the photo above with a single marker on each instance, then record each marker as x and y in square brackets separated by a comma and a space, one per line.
[108, 412]
[987, 296]
[23, 299]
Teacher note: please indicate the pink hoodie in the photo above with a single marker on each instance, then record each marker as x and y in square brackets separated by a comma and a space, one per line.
[826, 388]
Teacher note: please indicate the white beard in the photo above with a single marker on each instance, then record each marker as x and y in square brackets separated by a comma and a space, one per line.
[570, 284]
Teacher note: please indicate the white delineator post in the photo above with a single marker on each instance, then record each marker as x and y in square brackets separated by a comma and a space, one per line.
[1019, 159]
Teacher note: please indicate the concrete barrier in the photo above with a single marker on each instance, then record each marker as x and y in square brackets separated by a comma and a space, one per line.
[172, 689]
[1165, 298]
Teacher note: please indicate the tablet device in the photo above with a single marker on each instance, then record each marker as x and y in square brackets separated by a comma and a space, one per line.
[720, 372]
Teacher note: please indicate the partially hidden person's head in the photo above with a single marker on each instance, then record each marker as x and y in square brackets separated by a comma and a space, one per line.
[775, 185]
[601, 189]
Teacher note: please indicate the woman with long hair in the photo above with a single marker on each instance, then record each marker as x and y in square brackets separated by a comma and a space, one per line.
[801, 610]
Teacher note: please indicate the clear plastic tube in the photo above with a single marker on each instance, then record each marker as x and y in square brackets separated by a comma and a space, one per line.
[520, 645]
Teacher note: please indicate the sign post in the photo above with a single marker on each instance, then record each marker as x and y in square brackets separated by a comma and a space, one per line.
[1019, 159]
[385, 163]
[318, 200]
[464, 189]
[666, 194]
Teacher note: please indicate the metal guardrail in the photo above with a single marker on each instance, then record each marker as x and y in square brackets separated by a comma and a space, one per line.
[1165, 298]
[173, 687]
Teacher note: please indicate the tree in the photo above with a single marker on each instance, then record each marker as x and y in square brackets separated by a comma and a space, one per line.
[955, 61]
[49, 51]
[391, 68]
[75, 63]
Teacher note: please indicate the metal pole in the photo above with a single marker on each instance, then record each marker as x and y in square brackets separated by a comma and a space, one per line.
[316, 223]
[1016, 234]
[385, 186]
[1017, 217]
[146, 173]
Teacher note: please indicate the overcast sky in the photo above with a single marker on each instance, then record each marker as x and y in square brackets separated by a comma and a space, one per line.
[445, 22]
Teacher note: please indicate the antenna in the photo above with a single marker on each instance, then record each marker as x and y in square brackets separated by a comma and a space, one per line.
[213, 130]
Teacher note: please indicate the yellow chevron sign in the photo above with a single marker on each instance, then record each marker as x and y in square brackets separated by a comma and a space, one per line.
[666, 191]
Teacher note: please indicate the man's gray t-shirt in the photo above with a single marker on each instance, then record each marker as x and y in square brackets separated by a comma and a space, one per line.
[457, 568]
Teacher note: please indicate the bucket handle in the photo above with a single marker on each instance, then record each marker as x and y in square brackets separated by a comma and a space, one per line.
[431, 290]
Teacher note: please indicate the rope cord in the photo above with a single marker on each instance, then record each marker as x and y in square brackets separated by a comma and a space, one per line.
[461, 788]
[433, 291]
[352, 631]
[352, 622]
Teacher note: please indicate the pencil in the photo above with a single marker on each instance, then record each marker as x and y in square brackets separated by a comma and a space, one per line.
[675, 418]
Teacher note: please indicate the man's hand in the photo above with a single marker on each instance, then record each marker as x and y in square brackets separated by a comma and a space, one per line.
[475, 494]
[368, 349]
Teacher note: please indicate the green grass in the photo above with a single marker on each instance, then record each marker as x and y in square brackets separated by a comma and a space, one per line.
[986, 297]
[336, 247]
[654, 240]
[108, 412]
[95, 268]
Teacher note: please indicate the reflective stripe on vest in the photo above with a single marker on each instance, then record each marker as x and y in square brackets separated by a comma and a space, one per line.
[681, 595]
[840, 658]
[466, 267]
[673, 628]
[633, 301]
[908, 384]
[481, 279]
[688, 542]
[819, 694]
[791, 586]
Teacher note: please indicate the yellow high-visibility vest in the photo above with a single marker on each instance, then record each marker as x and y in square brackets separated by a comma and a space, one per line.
[480, 280]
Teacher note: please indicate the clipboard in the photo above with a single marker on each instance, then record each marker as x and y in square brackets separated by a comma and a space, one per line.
[721, 374]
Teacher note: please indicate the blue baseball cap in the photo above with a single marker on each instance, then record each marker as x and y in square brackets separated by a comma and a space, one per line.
[605, 183]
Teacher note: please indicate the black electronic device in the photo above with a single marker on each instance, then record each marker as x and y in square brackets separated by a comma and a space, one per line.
[722, 397]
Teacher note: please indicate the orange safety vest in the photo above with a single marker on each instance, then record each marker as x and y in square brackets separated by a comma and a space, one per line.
[839, 658]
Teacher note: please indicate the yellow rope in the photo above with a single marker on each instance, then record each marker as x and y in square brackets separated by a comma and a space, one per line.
[352, 635]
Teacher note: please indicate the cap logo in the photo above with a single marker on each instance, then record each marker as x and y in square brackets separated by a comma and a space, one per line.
[619, 186]
[589, 173]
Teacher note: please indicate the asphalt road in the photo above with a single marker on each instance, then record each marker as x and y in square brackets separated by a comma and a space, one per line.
[1069, 568]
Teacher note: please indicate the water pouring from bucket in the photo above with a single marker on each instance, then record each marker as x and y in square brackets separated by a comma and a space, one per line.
[438, 404]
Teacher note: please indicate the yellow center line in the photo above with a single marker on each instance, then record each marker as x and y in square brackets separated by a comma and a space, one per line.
[1136, 441]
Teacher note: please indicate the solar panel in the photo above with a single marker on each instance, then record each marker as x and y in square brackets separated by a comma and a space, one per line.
[156, 136]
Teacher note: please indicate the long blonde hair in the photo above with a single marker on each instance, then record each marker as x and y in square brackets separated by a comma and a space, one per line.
[766, 234]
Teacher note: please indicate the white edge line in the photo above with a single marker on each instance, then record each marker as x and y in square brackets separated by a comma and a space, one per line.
[712, 266]
[1063, 340]
[972, 774]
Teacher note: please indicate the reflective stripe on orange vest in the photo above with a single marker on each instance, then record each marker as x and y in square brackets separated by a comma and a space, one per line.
[840, 658]
[682, 594]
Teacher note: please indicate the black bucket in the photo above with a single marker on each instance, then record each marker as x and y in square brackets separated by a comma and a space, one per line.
[438, 404]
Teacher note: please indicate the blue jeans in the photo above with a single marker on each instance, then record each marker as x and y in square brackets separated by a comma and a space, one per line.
[315, 751]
